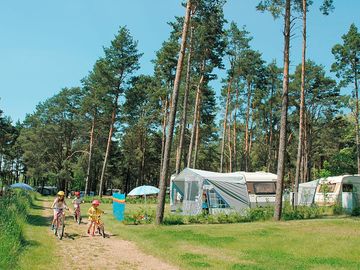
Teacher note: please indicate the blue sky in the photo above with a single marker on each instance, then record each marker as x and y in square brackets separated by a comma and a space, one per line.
[47, 45]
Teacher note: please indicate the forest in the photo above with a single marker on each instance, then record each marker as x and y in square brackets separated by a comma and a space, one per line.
[118, 127]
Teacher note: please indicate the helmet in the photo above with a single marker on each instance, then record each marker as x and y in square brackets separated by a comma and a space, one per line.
[77, 193]
[61, 193]
[95, 202]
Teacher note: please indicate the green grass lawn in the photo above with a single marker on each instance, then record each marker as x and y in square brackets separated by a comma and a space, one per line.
[39, 250]
[331, 243]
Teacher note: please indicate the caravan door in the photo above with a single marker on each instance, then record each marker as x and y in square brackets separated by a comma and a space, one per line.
[347, 197]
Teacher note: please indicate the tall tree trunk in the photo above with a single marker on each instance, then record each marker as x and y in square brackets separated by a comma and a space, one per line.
[197, 102]
[165, 119]
[357, 120]
[108, 145]
[302, 108]
[224, 124]
[88, 171]
[197, 136]
[246, 152]
[235, 129]
[283, 124]
[167, 149]
[229, 145]
[185, 106]
[269, 162]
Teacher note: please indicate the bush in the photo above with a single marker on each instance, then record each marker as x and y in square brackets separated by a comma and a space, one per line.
[89, 199]
[13, 212]
[141, 216]
[141, 200]
[356, 212]
[337, 209]
[260, 213]
[173, 219]
[301, 212]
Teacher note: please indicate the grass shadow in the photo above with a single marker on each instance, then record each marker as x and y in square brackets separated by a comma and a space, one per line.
[37, 207]
[72, 236]
[37, 220]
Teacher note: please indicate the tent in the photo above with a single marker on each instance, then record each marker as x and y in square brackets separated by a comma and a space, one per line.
[192, 190]
[22, 186]
[307, 192]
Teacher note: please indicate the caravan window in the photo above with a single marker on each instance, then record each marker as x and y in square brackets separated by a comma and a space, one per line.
[326, 188]
[347, 188]
[261, 188]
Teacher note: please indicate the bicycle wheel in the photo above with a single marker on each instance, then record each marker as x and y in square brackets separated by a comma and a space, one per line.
[102, 231]
[60, 230]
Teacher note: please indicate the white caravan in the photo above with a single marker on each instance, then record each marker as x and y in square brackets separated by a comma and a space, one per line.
[344, 189]
[261, 188]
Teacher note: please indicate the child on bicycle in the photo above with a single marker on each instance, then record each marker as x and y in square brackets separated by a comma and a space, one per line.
[94, 215]
[58, 205]
[76, 203]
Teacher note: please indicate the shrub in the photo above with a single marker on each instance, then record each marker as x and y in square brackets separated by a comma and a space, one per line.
[301, 212]
[337, 209]
[356, 212]
[260, 213]
[140, 216]
[89, 199]
[173, 219]
[13, 212]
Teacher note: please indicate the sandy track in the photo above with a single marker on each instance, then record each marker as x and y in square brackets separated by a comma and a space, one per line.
[81, 251]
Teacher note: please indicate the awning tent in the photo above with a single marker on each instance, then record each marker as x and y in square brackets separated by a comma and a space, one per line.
[307, 192]
[225, 192]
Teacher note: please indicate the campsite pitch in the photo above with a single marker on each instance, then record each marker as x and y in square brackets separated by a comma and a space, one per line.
[329, 243]
[77, 250]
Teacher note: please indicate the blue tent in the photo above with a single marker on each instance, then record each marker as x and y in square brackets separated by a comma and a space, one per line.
[22, 186]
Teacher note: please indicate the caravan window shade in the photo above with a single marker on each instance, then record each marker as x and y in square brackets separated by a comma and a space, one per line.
[264, 188]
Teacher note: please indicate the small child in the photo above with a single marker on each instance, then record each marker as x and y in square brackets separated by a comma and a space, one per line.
[94, 214]
[76, 203]
[58, 205]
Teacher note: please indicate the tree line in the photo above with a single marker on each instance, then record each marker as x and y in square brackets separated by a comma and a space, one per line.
[121, 129]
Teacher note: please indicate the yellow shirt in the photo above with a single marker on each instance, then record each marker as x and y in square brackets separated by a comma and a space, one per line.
[94, 212]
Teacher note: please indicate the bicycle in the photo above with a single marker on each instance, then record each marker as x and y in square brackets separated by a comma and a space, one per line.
[77, 214]
[59, 225]
[98, 225]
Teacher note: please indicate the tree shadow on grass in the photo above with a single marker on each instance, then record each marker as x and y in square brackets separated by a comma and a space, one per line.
[38, 220]
[37, 207]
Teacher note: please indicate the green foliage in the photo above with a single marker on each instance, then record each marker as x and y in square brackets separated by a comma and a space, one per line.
[173, 219]
[13, 213]
[301, 212]
[337, 209]
[356, 212]
[89, 199]
[140, 216]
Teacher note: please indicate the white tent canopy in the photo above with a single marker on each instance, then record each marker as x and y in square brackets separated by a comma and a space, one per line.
[225, 191]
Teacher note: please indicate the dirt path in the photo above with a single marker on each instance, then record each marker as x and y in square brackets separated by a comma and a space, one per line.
[81, 251]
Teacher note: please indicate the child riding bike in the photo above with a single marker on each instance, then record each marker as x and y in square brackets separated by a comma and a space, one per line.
[58, 205]
[94, 217]
[76, 203]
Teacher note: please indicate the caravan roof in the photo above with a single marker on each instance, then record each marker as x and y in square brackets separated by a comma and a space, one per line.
[340, 179]
[259, 176]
